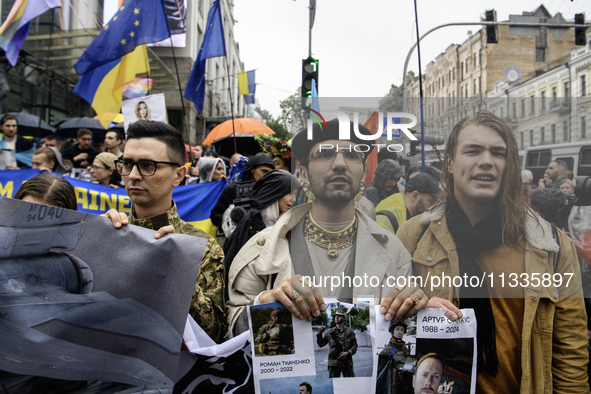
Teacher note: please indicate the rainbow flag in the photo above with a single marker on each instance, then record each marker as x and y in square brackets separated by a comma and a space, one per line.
[15, 28]
[139, 87]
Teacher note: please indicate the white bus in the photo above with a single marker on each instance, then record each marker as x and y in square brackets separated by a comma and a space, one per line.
[576, 155]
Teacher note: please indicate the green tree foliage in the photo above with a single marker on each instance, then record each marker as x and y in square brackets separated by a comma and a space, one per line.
[274, 124]
[292, 116]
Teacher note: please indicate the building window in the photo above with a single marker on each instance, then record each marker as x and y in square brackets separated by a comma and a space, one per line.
[475, 63]
[514, 105]
[553, 134]
[501, 112]
[480, 84]
[466, 66]
[566, 90]
[543, 99]
[475, 87]
[523, 108]
[480, 57]
[532, 101]
[531, 138]
[554, 95]
[522, 140]
[583, 127]
[453, 74]
[583, 85]
[565, 131]
[462, 70]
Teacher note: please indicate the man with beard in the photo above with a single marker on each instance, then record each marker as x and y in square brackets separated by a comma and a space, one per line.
[428, 374]
[12, 141]
[419, 195]
[324, 239]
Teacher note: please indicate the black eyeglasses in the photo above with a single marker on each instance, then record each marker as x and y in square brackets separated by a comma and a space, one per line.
[145, 167]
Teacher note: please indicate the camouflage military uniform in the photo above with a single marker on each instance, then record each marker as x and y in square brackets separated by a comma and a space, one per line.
[339, 341]
[275, 340]
[208, 306]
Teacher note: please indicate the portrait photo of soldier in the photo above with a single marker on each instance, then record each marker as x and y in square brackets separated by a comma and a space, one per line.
[272, 331]
[342, 345]
[393, 373]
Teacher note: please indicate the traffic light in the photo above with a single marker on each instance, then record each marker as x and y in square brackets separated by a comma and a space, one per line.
[309, 72]
[580, 32]
[492, 33]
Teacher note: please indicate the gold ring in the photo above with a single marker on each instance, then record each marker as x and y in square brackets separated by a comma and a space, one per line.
[294, 295]
[415, 298]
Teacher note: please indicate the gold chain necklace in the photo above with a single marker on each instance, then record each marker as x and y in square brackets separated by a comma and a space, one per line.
[332, 241]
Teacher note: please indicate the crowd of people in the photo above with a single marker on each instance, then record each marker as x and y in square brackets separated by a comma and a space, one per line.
[479, 215]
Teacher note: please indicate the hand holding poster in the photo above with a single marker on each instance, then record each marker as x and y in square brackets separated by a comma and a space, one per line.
[331, 354]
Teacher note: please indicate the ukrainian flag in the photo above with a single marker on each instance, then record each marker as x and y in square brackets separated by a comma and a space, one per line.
[194, 202]
[118, 53]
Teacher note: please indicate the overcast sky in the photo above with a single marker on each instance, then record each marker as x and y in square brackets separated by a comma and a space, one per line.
[361, 45]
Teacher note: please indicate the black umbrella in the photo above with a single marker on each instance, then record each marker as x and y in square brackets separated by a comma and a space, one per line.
[28, 125]
[69, 128]
[246, 145]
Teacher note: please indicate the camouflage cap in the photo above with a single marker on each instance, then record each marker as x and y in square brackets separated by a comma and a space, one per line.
[341, 311]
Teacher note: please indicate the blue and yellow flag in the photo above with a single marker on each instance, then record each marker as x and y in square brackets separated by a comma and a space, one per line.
[194, 202]
[137, 22]
[118, 53]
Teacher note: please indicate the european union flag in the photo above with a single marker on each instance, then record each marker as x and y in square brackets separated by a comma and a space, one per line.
[137, 22]
[213, 45]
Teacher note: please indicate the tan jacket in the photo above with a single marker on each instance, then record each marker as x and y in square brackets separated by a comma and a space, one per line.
[267, 253]
[555, 346]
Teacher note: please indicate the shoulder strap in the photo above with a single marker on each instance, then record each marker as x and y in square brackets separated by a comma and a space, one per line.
[390, 215]
[557, 254]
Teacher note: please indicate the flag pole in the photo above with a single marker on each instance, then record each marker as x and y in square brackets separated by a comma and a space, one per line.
[178, 79]
[46, 80]
[230, 91]
[231, 103]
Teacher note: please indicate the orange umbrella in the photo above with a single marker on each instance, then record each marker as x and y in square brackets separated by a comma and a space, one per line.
[245, 127]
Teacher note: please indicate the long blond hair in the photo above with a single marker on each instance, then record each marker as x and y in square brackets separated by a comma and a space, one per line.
[511, 202]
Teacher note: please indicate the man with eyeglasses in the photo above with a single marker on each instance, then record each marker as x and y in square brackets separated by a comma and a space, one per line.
[327, 238]
[152, 166]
